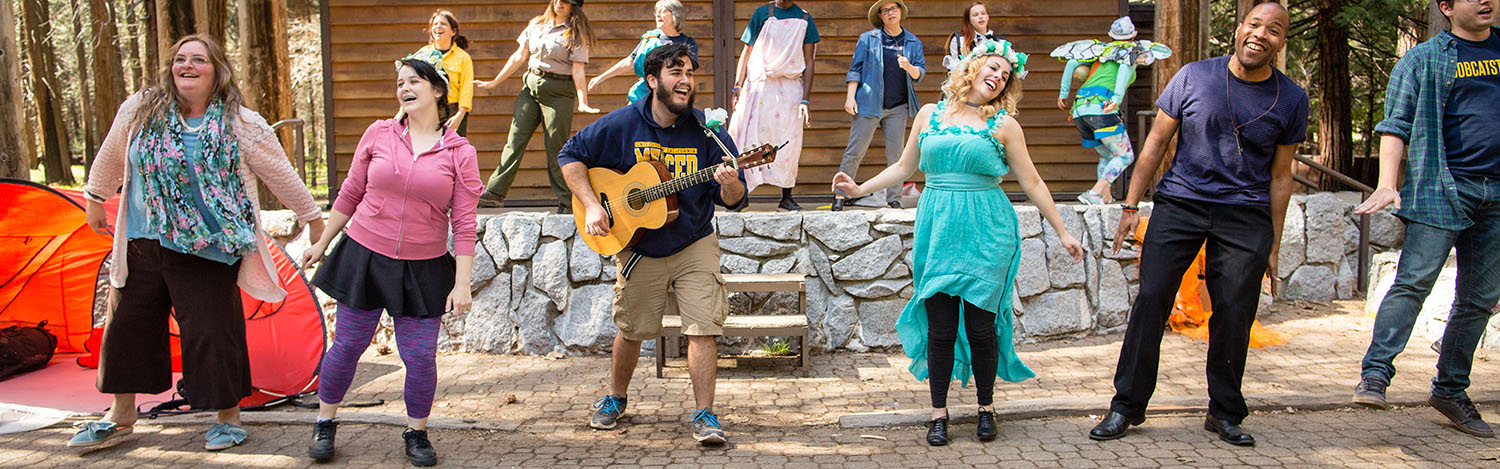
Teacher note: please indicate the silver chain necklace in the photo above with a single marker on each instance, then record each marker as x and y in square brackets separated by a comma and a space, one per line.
[1230, 103]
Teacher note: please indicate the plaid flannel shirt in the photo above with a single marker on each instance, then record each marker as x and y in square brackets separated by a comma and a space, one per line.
[1415, 99]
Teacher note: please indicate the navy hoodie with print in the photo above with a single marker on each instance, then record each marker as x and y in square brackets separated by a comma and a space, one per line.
[630, 135]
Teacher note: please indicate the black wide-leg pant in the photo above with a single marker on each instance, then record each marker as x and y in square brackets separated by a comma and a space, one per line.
[135, 356]
[1238, 244]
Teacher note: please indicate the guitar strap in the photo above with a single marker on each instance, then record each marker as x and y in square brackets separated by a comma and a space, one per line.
[635, 258]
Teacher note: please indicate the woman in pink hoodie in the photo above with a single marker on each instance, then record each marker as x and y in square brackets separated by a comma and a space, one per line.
[411, 181]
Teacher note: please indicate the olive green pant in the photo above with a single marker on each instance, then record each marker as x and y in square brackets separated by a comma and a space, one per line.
[548, 102]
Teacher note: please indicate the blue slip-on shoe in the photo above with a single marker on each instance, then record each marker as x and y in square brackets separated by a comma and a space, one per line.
[224, 435]
[97, 433]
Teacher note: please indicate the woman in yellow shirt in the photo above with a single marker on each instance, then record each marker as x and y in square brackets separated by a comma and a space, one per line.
[445, 41]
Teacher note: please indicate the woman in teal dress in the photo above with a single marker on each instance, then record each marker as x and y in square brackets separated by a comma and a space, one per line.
[967, 245]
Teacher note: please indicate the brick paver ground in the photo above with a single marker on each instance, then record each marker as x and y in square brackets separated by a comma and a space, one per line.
[778, 418]
[1325, 344]
[1404, 437]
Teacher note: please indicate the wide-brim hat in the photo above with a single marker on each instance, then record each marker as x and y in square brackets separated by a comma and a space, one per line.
[875, 11]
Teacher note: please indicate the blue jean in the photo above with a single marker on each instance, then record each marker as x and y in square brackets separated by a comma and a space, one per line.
[1476, 289]
[892, 123]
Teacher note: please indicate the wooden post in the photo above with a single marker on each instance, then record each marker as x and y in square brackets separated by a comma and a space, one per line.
[263, 46]
[13, 148]
[724, 50]
[37, 29]
[1183, 26]
[212, 17]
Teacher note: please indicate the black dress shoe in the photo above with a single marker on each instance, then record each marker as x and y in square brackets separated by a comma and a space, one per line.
[789, 205]
[937, 432]
[1113, 426]
[1229, 432]
[838, 205]
[986, 431]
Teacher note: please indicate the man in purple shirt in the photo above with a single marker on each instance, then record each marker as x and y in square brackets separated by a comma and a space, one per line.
[1238, 121]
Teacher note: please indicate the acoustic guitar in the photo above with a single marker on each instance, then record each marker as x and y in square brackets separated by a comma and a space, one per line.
[645, 197]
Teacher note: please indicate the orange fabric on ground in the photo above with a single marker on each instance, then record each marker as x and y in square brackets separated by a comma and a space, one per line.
[1192, 307]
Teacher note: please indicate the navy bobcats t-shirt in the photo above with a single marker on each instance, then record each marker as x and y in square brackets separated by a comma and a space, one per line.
[1209, 165]
[1471, 121]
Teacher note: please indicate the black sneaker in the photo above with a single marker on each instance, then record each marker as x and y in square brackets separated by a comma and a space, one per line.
[894, 204]
[418, 449]
[1370, 392]
[607, 411]
[321, 449]
[1463, 414]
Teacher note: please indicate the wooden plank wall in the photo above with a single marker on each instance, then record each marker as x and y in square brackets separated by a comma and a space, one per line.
[365, 36]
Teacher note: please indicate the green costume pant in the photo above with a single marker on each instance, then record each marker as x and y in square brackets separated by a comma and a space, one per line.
[548, 102]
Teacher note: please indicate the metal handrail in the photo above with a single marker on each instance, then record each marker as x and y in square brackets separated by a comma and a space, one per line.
[1363, 275]
[298, 155]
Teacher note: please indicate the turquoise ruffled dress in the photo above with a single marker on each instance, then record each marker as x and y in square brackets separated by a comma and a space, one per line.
[966, 243]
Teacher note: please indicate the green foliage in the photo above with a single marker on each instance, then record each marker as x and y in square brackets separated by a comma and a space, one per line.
[777, 347]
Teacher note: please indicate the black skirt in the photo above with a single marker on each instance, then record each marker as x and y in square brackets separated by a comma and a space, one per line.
[356, 276]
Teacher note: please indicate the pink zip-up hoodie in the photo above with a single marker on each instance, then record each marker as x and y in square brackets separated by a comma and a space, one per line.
[401, 205]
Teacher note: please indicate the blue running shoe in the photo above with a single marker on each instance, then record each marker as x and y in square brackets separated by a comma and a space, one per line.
[706, 428]
[607, 411]
[224, 435]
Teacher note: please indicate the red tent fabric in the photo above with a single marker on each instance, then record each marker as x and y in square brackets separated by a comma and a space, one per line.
[51, 261]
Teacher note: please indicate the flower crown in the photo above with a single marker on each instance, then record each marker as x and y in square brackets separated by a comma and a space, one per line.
[432, 57]
[1003, 49]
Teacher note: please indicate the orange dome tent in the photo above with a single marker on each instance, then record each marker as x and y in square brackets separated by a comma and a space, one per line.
[51, 262]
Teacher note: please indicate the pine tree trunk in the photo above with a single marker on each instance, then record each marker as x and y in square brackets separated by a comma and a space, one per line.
[13, 156]
[174, 19]
[85, 111]
[151, 61]
[263, 46]
[37, 31]
[109, 71]
[1182, 26]
[1335, 123]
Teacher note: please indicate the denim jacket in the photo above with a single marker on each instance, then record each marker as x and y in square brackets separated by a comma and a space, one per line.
[867, 68]
[1415, 98]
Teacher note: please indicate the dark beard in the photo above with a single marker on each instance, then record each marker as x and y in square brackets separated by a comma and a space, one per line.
[666, 100]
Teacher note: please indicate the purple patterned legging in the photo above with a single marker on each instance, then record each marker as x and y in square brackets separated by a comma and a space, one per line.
[416, 339]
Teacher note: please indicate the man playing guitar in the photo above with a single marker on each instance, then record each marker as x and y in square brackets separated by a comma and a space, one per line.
[683, 255]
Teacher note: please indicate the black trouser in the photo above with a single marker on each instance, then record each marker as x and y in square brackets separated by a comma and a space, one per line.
[1238, 249]
[942, 331]
[136, 357]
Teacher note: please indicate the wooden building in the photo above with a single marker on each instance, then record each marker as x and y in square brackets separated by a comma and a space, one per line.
[363, 37]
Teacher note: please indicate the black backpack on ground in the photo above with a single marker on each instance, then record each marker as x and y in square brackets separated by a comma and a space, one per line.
[24, 349]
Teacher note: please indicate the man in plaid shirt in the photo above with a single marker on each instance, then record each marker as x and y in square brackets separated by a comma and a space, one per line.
[1440, 106]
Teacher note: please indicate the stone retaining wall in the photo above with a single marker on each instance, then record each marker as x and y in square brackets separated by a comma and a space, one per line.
[539, 289]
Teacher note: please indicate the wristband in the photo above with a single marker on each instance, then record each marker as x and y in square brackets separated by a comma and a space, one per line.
[1129, 208]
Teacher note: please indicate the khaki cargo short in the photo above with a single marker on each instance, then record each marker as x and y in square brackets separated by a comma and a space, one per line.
[642, 283]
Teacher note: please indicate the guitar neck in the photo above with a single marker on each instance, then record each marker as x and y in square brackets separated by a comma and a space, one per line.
[678, 184]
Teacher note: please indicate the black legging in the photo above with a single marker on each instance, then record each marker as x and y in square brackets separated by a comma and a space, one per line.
[942, 329]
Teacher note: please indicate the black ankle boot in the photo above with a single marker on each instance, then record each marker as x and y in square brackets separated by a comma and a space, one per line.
[418, 449]
[838, 205]
[937, 431]
[986, 431]
[787, 203]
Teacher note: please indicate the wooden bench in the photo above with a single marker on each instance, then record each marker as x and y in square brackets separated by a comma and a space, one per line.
[747, 325]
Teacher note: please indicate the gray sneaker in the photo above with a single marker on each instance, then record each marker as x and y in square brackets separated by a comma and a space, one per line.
[706, 428]
[607, 411]
[1463, 414]
[1370, 392]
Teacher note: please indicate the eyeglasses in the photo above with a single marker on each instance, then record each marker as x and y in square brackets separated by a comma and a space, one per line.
[890, 9]
[195, 60]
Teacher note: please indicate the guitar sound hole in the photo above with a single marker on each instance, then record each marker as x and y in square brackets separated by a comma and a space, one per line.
[635, 199]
